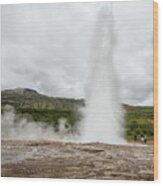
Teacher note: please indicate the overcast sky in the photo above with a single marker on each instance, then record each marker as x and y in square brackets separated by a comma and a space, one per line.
[47, 47]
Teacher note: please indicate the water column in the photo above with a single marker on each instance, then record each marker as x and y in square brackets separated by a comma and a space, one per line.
[103, 113]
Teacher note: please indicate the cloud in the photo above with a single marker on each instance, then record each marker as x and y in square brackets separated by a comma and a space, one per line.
[133, 51]
[47, 47]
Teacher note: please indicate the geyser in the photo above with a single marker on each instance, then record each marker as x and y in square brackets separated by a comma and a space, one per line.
[103, 116]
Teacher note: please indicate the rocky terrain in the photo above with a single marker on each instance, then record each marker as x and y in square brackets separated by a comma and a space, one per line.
[49, 159]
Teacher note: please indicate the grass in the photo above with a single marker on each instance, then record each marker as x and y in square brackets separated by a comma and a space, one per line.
[49, 116]
[139, 120]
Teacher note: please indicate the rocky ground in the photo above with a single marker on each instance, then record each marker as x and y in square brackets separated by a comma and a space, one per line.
[69, 160]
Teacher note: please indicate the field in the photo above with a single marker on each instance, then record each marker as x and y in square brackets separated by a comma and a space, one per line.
[139, 120]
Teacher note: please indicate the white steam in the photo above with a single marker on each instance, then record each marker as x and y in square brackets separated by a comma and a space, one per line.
[13, 127]
[103, 114]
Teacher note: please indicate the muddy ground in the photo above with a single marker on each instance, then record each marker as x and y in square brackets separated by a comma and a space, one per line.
[69, 160]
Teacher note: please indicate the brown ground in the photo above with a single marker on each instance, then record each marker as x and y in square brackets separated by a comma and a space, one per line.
[69, 160]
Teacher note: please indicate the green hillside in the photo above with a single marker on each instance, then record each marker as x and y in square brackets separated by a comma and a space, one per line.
[37, 107]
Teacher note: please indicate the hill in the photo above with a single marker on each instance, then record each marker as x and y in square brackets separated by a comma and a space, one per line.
[29, 98]
[37, 107]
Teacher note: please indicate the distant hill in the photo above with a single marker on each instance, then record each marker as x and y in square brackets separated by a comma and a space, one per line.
[29, 98]
[37, 107]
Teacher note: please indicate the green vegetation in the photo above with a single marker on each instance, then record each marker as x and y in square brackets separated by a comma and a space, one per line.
[40, 108]
[139, 120]
[49, 116]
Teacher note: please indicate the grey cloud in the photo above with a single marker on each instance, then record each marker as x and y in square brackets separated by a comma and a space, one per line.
[47, 47]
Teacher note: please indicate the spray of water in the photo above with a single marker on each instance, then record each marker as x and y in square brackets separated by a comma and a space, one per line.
[103, 113]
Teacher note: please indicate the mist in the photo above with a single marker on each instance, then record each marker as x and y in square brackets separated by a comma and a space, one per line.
[15, 127]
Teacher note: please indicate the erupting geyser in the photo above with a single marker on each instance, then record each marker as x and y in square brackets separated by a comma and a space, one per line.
[103, 121]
